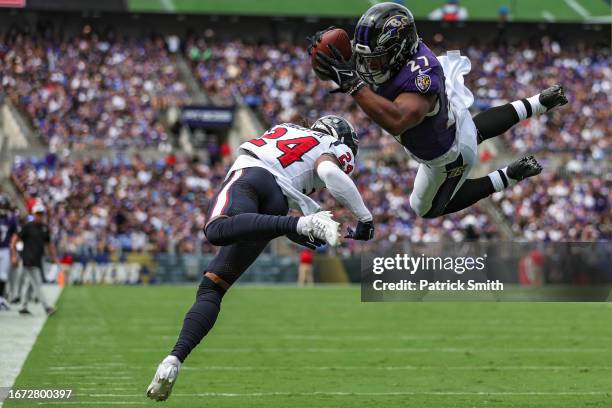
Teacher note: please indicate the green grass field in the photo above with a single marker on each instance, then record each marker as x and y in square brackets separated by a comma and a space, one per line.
[558, 10]
[282, 346]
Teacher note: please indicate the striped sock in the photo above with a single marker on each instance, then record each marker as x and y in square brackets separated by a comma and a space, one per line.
[526, 107]
[500, 180]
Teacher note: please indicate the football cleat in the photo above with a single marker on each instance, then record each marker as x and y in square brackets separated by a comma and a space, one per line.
[164, 379]
[4, 304]
[523, 168]
[25, 312]
[321, 226]
[50, 310]
[553, 97]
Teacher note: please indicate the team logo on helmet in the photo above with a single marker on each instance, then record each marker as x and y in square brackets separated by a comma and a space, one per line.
[423, 82]
[392, 28]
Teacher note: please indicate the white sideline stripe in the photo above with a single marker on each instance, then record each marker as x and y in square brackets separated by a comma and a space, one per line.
[19, 333]
[399, 368]
[578, 8]
[363, 394]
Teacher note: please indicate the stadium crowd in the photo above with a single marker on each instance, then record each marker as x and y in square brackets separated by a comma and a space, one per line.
[87, 92]
[133, 204]
[122, 204]
[278, 80]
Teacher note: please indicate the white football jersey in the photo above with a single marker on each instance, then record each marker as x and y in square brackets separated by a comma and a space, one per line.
[292, 150]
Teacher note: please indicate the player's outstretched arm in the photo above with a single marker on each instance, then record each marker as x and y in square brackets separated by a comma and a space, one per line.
[405, 112]
[345, 192]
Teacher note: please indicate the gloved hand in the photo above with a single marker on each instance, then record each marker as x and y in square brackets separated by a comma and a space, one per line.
[363, 232]
[312, 41]
[306, 241]
[335, 68]
[339, 70]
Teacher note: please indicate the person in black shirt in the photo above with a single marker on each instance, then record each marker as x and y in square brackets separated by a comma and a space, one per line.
[35, 237]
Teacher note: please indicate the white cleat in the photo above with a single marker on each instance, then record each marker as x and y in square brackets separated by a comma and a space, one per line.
[322, 226]
[164, 379]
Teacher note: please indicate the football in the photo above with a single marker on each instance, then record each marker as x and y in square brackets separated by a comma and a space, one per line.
[339, 38]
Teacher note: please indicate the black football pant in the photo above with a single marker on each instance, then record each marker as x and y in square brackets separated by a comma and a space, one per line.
[248, 211]
[489, 123]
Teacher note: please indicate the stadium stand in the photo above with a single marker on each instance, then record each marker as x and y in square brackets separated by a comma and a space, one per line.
[90, 92]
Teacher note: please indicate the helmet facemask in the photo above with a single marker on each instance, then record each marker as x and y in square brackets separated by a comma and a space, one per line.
[377, 67]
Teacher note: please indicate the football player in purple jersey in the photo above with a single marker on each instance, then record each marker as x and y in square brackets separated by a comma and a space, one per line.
[422, 101]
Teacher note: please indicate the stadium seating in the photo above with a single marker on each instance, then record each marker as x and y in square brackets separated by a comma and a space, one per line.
[87, 92]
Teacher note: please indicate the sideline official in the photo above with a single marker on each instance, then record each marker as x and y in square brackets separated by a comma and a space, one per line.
[35, 237]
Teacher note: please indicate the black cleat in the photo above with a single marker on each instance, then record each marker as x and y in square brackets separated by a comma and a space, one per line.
[553, 97]
[49, 310]
[25, 312]
[523, 168]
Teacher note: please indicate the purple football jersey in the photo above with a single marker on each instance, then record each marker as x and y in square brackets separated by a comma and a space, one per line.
[423, 74]
[8, 227]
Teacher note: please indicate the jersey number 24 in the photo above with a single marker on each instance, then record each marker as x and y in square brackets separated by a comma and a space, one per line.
[292, 149]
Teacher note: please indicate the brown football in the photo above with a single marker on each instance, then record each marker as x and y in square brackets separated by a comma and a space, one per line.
[339, 38]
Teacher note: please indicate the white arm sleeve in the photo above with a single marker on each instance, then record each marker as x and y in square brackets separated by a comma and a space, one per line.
[343, 189]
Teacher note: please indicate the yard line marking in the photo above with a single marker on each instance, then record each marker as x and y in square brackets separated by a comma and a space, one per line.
[367, 394]
[377, 338]
[414, 337]
[577, 349]
[398, 368]
[578, 8]
[106, 389]
[92, 402]
[91, 383]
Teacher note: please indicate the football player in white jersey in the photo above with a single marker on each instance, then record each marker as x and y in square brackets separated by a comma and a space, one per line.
[272, 173]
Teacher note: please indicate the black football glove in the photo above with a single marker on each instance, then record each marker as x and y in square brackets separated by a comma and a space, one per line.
[363, 232]
[339, 70]
[335, 68]
[312, 41]
[305, 241]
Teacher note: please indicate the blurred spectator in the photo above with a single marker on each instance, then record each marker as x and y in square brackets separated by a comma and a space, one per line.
[93, 92]
[451, 11]
[503, 14]
[305, 275]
